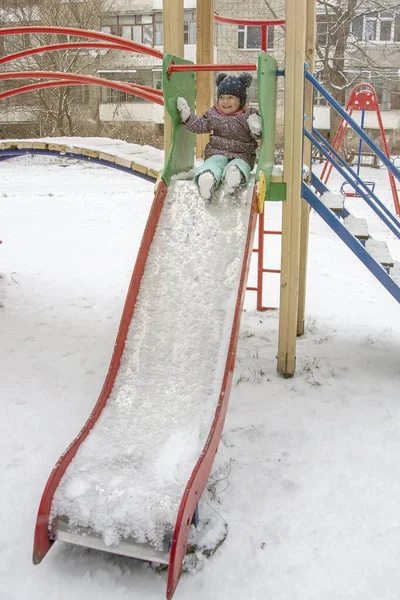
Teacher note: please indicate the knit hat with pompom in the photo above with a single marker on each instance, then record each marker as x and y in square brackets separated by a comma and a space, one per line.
[234, 85]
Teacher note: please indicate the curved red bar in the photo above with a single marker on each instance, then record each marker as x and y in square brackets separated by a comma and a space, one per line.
[65, 46]
[142, 92]
[135, 46]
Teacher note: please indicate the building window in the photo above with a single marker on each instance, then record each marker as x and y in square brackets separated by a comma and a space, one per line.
[189, 27]
[147, 29]
[381, 27]
[249, 37]
[138, 28]
[140, 76]
[158, 29]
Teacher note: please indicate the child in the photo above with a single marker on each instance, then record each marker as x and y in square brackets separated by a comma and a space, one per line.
[235, 128]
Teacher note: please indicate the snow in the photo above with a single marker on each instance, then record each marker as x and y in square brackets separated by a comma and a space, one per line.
[306, 474]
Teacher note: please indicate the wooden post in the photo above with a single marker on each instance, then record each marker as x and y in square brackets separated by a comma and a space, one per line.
[173, 24]
[204, 55]
[292, 176]
[305, 211]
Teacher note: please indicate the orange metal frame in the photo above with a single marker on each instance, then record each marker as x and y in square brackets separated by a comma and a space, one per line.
[264, 24]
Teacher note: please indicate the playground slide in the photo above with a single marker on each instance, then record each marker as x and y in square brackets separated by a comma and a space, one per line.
[131, 480]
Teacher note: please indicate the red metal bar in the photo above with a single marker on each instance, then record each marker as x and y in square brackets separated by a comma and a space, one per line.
[260, 260]
[264, 38]
[41, 85]
[273, 232]
[337, 141]
[271, 271]
[65, 46]
[183, 68]
[386, 149]
[97, 35]
[36, 86]
[86, 79]
[251, 22]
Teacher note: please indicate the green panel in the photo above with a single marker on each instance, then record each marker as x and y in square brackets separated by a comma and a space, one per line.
[266, 80]
[276, 191]
[181, 154]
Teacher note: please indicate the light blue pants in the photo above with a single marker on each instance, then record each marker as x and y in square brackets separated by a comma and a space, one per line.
[218, 164]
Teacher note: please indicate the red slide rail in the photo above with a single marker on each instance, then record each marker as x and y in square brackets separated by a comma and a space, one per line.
[202, 469]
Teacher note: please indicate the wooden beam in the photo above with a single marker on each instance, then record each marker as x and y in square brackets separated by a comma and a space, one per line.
[305, 211]
[204, 55]
[292, 176]
[173, 43]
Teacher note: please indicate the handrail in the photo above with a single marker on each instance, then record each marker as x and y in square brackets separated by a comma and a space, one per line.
[84, 79]
[335, 104]
[62, 46]
[353, 174]
[357, 188]
[97, 35]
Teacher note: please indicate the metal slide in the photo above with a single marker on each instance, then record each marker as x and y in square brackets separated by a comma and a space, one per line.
[202, 413]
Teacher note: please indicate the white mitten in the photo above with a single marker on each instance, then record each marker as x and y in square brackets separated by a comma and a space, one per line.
[255, 124]
[183, 108]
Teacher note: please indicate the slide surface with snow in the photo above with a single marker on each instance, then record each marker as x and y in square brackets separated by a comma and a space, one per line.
[128, 477]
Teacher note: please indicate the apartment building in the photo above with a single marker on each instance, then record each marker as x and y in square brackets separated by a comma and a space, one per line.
[372, 54]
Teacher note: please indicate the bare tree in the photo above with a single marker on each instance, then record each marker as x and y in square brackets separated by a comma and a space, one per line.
[58, 110]
[356, 41]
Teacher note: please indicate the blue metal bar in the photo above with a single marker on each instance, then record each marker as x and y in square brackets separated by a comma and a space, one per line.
[361, 192]
[371, 194]
[381, 155]
[15, 153]
[355, 246]
[318, 184]
[361, 142]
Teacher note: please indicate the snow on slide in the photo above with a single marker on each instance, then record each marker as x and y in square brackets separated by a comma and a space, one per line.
[128, 476]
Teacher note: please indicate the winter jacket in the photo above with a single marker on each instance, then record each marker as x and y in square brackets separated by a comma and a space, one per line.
[230, 134]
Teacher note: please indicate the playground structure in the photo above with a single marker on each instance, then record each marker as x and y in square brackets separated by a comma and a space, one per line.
[299, 136]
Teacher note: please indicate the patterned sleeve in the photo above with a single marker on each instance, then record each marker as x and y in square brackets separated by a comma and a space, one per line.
[199, 124]
[247, 114]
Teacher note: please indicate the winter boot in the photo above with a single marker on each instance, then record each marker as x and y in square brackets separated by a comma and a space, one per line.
[207, 184]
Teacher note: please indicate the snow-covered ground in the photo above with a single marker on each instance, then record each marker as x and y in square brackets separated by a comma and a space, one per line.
[306, 477]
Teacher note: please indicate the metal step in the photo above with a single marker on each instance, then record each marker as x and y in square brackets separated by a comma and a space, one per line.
[85, 536]
[333, 201]
[379, 251]
[357, 226]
